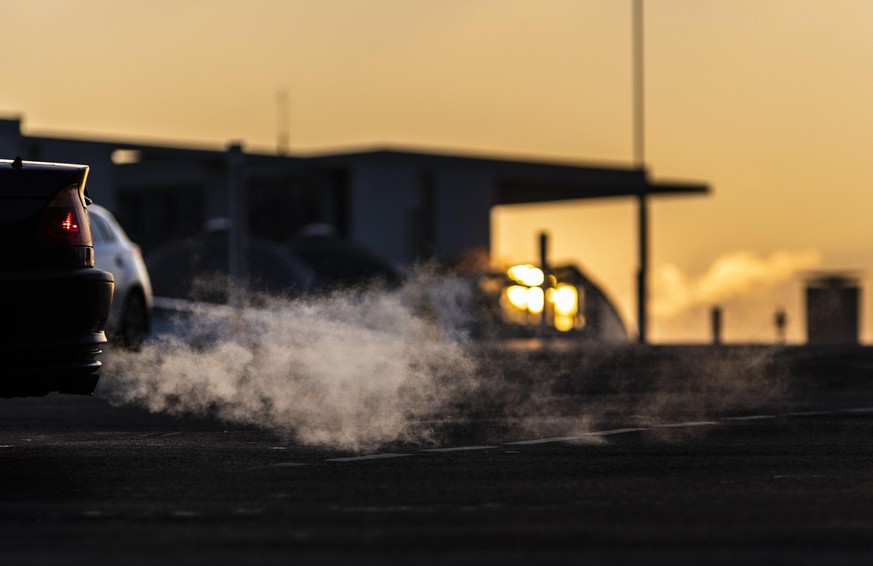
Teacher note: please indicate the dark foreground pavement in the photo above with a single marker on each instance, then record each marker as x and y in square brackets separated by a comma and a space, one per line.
[82, 482]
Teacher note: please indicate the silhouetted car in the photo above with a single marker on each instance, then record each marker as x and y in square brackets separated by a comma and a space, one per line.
[197, 268]
[54, 303]
[131, 315]
[339, 263]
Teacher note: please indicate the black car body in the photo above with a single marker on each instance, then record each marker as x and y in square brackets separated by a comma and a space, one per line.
[53, 303]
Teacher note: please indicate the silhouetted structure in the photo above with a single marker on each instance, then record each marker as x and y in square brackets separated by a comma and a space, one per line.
[338, 263]
[832, 310]
[780, 321]
[196, 268]
[715, 315]
[404, 206]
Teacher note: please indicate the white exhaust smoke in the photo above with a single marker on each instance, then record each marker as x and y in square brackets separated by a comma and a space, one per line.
[351, 371]
[731, 276]
[359, 370]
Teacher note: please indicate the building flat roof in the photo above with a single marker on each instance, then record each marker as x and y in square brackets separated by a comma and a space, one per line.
[525, 181]
[518, 180]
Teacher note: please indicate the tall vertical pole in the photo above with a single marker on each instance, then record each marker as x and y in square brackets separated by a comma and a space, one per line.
[640, 165]
[237, 233]
[638, 86]
[545, 318]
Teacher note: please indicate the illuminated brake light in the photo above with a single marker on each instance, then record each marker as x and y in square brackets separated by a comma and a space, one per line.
[64, 221]
[69, 224]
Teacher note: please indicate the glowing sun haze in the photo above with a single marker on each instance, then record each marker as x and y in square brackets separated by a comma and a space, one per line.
[765, 100]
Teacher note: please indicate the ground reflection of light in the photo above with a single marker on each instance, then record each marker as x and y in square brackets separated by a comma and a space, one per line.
[564, 323]
[527, 274]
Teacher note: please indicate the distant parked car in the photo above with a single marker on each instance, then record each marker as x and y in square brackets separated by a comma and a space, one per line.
[53, 302]
[197, 268]
[131, 316]
[339, 263]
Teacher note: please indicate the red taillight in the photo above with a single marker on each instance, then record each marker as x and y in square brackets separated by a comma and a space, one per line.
[64, 221]
[69, 225]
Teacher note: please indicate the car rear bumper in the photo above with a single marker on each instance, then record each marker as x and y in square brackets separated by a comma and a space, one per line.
[51, 331]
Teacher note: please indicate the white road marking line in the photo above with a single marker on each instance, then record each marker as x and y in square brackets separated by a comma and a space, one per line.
[576, 438]
[608, 433]
[811, 413]
[170, 434]
[458, 449]
[369, 457]
[544, 440]
[619, 431]
[683, 425]
[596, 433]
[860, 410]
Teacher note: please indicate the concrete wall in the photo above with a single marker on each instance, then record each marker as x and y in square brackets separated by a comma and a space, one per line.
[463, 212]
[382, 199]
[409, 213]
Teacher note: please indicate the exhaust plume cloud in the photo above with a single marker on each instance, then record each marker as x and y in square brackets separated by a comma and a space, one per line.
[352, 370]
[359, 370]
[731, 276]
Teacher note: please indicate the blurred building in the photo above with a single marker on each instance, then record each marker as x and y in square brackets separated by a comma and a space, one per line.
[833, 310]
[405, 206]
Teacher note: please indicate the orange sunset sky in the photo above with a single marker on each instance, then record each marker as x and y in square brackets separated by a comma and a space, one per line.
[768, 101]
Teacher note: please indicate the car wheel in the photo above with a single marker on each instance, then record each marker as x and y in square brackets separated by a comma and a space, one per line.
[134, 322]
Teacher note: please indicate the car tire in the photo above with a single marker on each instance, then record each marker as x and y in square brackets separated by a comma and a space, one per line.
[134, 322]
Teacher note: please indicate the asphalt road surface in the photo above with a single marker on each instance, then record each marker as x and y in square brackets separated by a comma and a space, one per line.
[787, 482]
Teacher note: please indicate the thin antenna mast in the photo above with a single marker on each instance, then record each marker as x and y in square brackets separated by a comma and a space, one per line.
[282, 120]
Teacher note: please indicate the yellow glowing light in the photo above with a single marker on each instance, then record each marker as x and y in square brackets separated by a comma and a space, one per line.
[527, 274]
[565, 298]
[517, 296]
[536, 300]
[565, 323]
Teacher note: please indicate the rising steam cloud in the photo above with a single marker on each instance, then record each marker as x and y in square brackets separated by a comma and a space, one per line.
[351, 370]
[731, 276]
[358, 370]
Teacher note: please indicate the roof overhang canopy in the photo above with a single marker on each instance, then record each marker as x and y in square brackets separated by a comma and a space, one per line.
[579, 183]
[528, 181]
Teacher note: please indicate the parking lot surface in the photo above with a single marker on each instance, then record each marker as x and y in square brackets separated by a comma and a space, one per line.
[85, 481]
